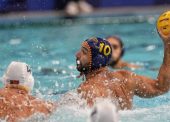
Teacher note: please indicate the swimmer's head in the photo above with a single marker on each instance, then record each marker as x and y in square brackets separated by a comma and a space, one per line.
[104, 112]
[163, 24]
[19, 75]
[117, 48]
[94, 54]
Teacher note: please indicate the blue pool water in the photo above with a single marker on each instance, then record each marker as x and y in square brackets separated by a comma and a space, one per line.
[50, 50]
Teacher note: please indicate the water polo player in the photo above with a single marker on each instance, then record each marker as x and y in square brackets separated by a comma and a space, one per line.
[117, 54]
[92, 61]
[16, 102]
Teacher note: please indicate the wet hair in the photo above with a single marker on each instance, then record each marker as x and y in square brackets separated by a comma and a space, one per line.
[120, 42]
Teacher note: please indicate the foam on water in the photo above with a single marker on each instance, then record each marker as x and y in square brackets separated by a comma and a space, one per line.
[72, 108]
[16, 41]
[75, 112]
[159, 114]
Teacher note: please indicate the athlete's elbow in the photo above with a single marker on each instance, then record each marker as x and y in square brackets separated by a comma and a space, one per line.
[164, 90]
[150, 94]
[164, 86]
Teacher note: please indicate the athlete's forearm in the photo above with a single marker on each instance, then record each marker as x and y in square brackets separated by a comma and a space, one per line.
[164, 73]
[166, 60]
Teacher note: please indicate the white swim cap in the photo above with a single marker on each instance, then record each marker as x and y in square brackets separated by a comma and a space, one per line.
[104, 112]
[19, 73]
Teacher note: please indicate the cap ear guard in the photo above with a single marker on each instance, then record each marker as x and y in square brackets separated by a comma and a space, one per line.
[96, 61]
[29, 79]
[29, 83]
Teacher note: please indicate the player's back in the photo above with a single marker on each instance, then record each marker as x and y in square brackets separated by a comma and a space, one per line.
[16, 104]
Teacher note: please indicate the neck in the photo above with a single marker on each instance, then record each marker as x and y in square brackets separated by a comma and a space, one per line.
[116, 64]
[18, 87]
[95, 72]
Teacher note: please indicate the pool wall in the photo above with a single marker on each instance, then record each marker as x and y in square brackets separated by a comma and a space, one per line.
[41, 5]
[115, 15]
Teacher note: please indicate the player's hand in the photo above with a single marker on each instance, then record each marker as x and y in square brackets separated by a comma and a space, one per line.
[165, 38]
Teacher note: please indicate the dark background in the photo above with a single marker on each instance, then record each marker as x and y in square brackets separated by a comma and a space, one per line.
[40, 5]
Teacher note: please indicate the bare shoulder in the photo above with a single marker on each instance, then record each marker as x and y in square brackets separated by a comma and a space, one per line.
[3, 92]
[42, 106]
[122, 73]
[84, 86]
[125, 77]
[88, 86]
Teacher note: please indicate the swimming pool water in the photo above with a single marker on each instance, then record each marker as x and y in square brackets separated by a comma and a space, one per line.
[50, 50]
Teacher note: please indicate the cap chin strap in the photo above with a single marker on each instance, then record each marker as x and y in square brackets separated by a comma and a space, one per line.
[81, 75]
[92, 72]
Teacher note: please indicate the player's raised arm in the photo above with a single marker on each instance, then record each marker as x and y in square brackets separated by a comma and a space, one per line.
[147, 87]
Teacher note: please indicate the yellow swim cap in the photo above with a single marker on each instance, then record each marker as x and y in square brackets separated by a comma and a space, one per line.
[163, 23]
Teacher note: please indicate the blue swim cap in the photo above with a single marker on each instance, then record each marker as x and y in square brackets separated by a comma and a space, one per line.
[100, 52]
